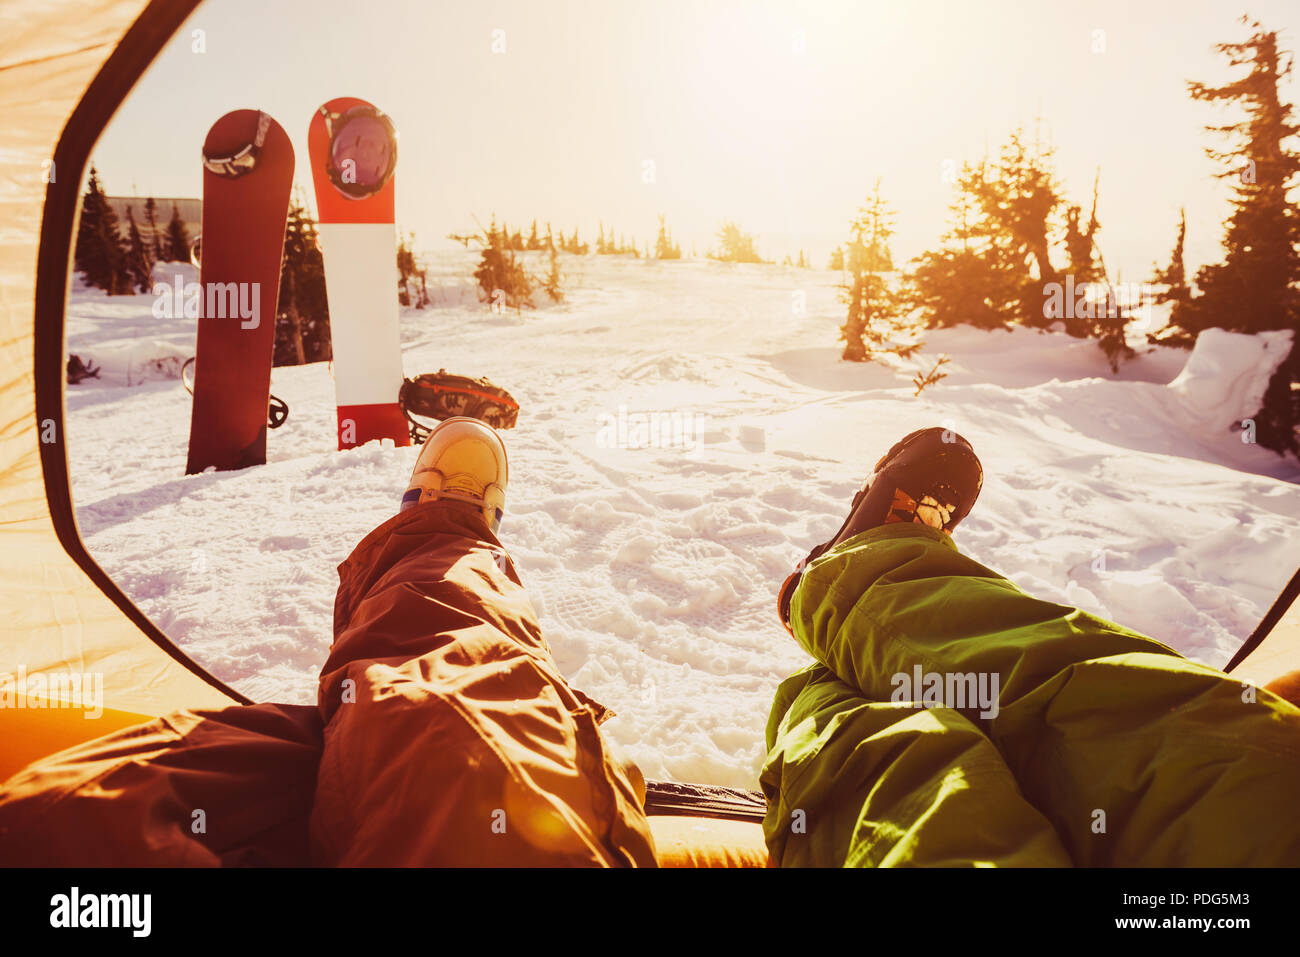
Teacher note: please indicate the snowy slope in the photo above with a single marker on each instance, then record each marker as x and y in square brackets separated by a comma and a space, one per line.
[654, 565]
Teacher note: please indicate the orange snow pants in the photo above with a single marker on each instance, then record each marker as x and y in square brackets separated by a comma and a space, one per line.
[443, 735]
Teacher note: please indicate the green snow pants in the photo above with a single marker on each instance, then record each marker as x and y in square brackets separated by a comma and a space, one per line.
[951, 719]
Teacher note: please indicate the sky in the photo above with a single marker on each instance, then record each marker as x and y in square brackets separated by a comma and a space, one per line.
[778, 115]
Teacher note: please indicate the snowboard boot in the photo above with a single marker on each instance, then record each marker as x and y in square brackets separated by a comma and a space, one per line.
[925, 478]
[463, 460]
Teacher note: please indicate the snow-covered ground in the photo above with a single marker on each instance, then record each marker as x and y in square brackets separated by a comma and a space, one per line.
[654, 564]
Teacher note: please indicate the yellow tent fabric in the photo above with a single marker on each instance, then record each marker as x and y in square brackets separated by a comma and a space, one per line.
[1277, 655]
[53, 617]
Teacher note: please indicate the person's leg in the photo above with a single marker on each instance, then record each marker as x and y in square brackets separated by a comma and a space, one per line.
[1135, 754]
[451, 738]
[206, 788]
[858, 783]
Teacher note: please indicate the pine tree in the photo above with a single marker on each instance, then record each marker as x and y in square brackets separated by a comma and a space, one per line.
[412, 275]
[533, 242]
[551, 284]
[99, 254]
[302, 330]
[995, 265]
[1111, 317]
[1278, 420]
[154, 243]
[139, 261]
[1021, 197]
[178, 238]
[1174, 276]
[735, 245]
[1255, 287]
[118, 276]
[1001, 221]
[501, 277]
[86, 253]
[973, 278]
[1093, 316]
[406, 271]
[288, 330]
[664, 242]
[876, 315]
[1079, 247]
[837, 259]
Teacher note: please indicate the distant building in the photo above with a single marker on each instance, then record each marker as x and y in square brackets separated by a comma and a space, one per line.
[191, 211]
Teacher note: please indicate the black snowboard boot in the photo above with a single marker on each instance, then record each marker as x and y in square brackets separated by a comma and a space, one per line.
[931, 477]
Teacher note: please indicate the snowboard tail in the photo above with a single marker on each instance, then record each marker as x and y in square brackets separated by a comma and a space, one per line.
[359, 424]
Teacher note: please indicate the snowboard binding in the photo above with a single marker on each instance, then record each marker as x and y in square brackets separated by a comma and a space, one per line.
[362, 150]
[277, 410]
[242, 161]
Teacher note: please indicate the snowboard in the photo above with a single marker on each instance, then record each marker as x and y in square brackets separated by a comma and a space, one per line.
[353, 150]
[247, 174]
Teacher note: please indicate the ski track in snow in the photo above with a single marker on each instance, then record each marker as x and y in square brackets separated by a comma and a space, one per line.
[654, 570]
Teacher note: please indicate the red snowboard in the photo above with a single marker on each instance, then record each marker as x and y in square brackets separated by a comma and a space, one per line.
[247, 176]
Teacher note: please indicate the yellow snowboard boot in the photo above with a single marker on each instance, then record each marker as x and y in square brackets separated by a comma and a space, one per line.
[463, 460]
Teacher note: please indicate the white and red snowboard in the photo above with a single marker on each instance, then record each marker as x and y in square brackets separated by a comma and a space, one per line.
[353, 149]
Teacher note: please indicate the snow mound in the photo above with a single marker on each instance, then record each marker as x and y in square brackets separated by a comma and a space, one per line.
[1227, 373]
[137, 363]
[131, 345]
